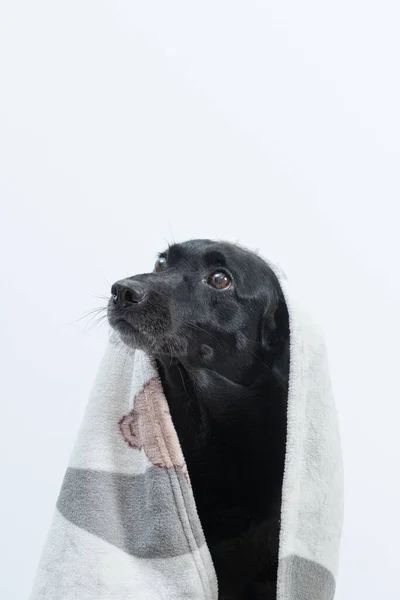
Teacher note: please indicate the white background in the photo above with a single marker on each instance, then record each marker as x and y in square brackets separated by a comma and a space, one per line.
[126, 124]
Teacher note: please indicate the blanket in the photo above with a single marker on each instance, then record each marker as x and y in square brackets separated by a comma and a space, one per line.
[126, 524]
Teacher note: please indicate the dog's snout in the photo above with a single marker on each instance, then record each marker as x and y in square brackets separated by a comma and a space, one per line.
[127, 292]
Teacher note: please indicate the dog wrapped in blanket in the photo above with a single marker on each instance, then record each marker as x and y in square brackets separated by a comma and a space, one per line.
[208, 464]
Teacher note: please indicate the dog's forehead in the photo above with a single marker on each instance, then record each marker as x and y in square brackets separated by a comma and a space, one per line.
[252, 273]
[210, 252]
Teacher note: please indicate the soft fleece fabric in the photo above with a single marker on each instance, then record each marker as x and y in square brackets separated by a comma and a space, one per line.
[126, 525]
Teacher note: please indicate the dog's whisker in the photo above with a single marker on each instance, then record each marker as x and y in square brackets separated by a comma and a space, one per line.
[100, 296]
[90, 313]
[184, 385]
[188, 324]
[94, 322]
[172, 233]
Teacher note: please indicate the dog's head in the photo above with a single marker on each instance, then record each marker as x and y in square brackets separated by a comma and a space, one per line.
[207, 304]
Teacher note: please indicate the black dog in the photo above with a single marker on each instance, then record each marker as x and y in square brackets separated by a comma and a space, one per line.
[213, 316]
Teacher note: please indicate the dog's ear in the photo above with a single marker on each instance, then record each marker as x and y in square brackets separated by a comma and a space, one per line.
[275, 339]
[275, 326]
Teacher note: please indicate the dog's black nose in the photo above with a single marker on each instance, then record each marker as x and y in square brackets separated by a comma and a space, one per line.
[127, 292]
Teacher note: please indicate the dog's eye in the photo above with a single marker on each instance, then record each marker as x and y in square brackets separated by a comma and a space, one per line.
[161, 263]
[220, 280]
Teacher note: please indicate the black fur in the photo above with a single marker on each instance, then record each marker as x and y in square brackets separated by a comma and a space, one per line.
[223, 357]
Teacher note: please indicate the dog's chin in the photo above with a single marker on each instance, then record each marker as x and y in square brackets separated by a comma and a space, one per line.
[129, 340]
[128, 334]
[134, 338]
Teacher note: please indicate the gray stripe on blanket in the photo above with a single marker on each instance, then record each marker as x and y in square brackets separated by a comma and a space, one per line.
[305, 579]
[135, 513]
